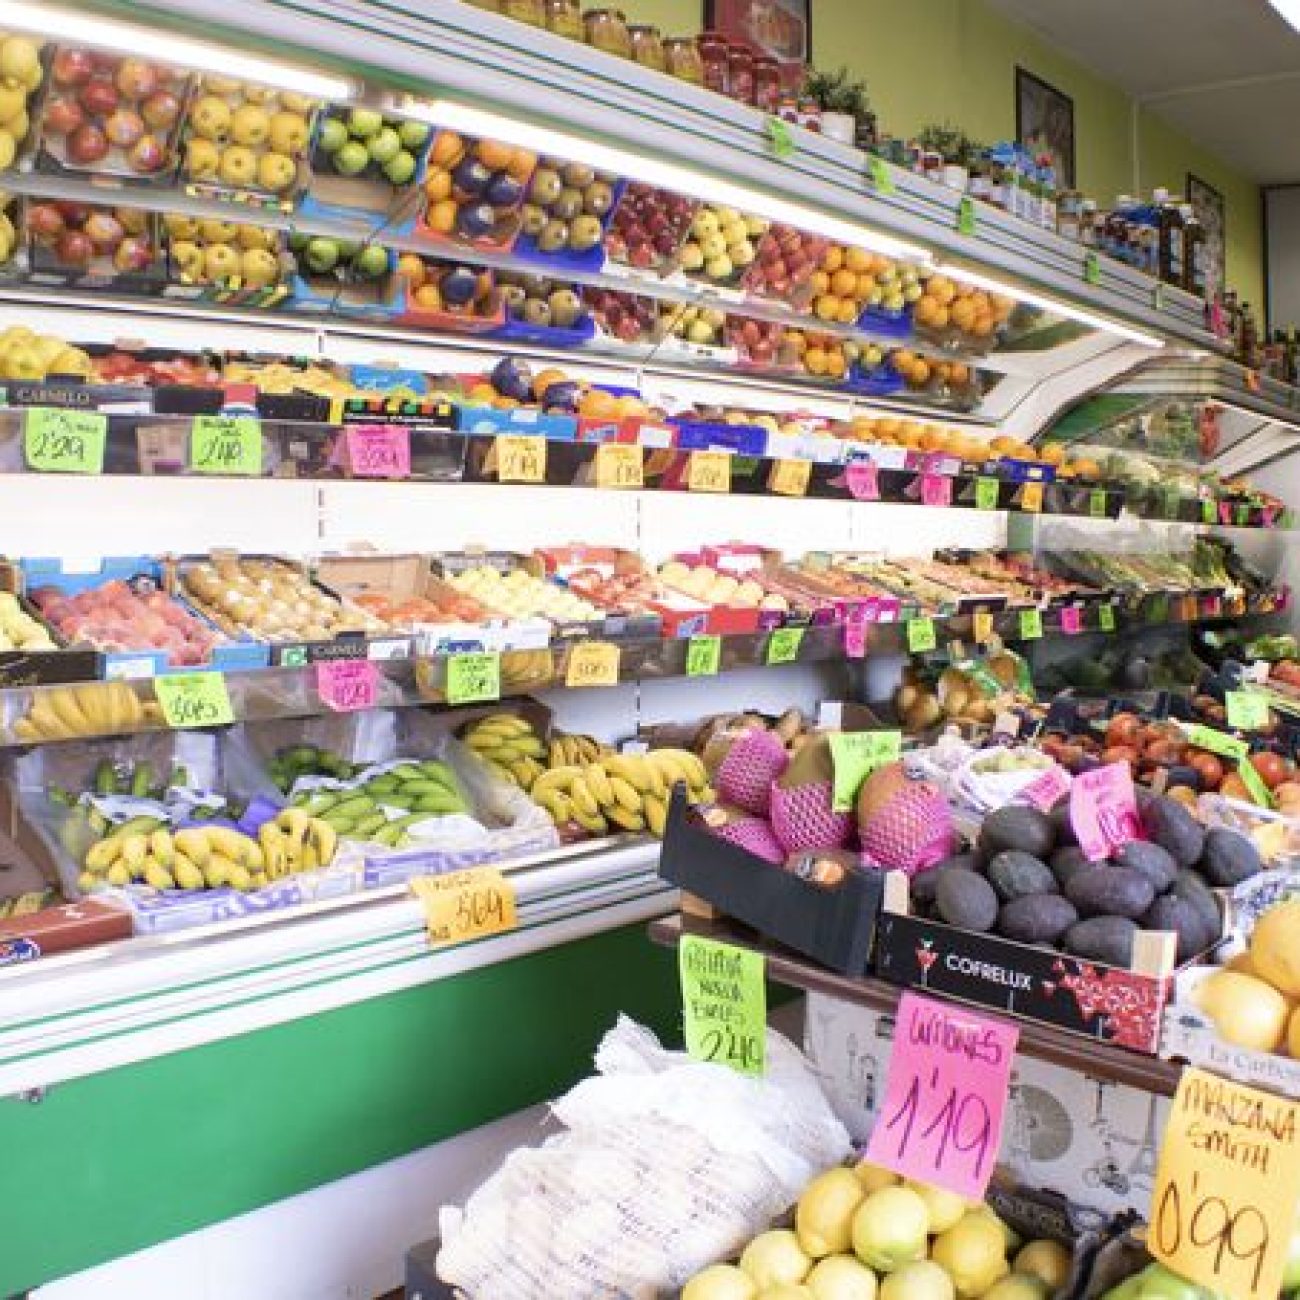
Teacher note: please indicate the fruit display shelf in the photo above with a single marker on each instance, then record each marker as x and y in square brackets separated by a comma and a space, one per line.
[1041, 1041]
[37, 714]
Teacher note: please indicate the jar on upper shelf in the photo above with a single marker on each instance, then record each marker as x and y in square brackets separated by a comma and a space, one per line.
[682, 59]
[647, 46]
[740, 74]
[564, 18]
[767, 83]
[606, 29]
[713, 55]
[524, 11]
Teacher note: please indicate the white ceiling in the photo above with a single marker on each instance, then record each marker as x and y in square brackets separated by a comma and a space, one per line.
[1226, 73]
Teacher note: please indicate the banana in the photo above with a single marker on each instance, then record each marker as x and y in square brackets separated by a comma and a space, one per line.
[187, 875]
[239, 877]
[626, 796]
[87, 883]
[217, 871]
[193, 843]
[633, 769]
[160, 845]
[309, 861]
[324, 841]
[598, 781]
[45, 721]
[229, 843]
[294, 822]
[656, 814]
[158, 877]
[584, 802]
[596, 825]
[271, 840]
[64, 703]
[559, 805]
[134, 849]
[557, 778]
[118, 875]
[629, 821]
[102, 855]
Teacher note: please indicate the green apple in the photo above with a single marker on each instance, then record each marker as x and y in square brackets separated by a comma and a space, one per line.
[365, 122]
[1161, 1283]
[1291, 1270]
[400, 169]
[333, 135]
[370, 263]
[385, 145]
[322, 255]
[352, 159]
[413, 134]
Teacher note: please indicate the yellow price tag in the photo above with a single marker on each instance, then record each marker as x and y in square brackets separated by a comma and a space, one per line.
[593, 663]
[619, 465]
[709, 471]
[521, 458]
[1031, 498]
[983, 628]
[789, 478]
[465, 905]
[194, 699]
[1227, 1185]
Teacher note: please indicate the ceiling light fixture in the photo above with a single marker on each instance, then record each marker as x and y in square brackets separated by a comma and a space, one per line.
[66, 25]
[654, 171]
[1289, 11]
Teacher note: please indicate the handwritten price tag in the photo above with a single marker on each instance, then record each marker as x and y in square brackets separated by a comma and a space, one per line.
[1091, 267]
[593, 663]
[783, 645]
[1247, 710]
[521, 458]
[379, 450]
[1031, 624]
[709, 471]
[920, 635]
[1071, 620]
[986, 493]
[881, 178]
[966, 215]
[863, 480]
[465, 905]
[703, 656]
[64, 442]
[949, 1079]
[855, 634]
[1254, 783]
[789, 478]
[1031, 498]
[778, 134]
[1103, 810]
[1227, 1185]
[724, 1004]
[194, 699]
[226, 444]
[474, 677]
[1046, 791]
[1106, 618]
[348, 685]
[855, 755]
[619, 465]
[982, 626]
[1216, 742]
[1097, 503]
[936, 490]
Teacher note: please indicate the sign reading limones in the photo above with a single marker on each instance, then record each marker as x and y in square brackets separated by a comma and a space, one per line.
[724, 1003]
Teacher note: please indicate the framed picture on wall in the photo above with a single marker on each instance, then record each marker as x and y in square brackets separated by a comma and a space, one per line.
[1208, 205]
[1045, 124]
[779, 28]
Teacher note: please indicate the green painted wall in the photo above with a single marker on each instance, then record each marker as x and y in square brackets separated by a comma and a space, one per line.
[936, 60]
[119, 1161]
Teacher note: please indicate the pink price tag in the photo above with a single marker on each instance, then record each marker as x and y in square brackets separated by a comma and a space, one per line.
[1045, 791]
[348, 685]
[936, 490]
[1225, 512]
[855, 634]
[1071, 620]
[379, 450]
[1103, 810]
[949, 1079]
[863, 480]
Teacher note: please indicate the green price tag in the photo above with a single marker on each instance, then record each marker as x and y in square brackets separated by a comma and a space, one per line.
[724, 1004]
[64, 442]
[783, 645]
[986, 494]
[855, 755]
[703, 656]
[1242, 514]
[1031, 624]
[778, 133]
[1209, 512]
[966, 215]
[1253, 782]
[1158, 610]
[1216, 742]
[878, 170]
[226, 444]
[920, 635]
[1158, 296]
[474, 677]
[1247, 710]
[1106, 618]
[194, 699]
[1097, 503]
[1091, 268]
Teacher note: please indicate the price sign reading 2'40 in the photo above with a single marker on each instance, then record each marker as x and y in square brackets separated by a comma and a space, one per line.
[226, 444]
[1227, 1186]
[949, 1078]
[724, 1003]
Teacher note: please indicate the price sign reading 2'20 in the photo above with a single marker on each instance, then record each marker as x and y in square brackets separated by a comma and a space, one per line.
[949, 1077]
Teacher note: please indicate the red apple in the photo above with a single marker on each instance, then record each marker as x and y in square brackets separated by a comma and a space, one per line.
[104, 230]
[74, 248]
[45, 221]
[137, 79]
[161, 110]
[104, 63]
[74, 214]
[63, 115]
[134, 254]
[72, 67]
[87, 144]
[147, 154]
[99, 97]
[124, 127]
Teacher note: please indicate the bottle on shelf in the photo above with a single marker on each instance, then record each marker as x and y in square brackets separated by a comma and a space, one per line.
[1089, 224]
[1195, 254]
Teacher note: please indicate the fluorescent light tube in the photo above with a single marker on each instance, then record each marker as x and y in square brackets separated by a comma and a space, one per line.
[1289, 10]
[1080, 314]
[70, 27]
[654, 171]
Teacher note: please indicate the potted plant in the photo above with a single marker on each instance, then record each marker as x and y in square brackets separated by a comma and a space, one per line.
[845, 106]
[951, 149]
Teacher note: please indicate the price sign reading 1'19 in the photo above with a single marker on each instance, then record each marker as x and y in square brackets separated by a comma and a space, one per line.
[464, 905]
[521, 458]
[1227, 1186]
[619, 465]
[949, 1078]
[64, 442]
[226, 444]
[724, 1003]
[473, 678]
[194, 699]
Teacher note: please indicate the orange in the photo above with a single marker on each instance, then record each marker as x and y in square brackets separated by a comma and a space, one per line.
[941, 289]
[919, 374]
[437, 185]
[494, 155]
[836, 365]
[521, 164]
[827, 307]
[1052, 453]
[815, 361]
[848, 311]
[865, 283]
[482, 393]
[796, 342]
[628, 408]
[958, 374]
[833, 258]
[962, 314]
[442, 217]
[857, 259]
[598, 405]
[844, 283]
[412, 269]
[429, 297]
[820, 281]
[448, 149]
[939, 317]
[545, 378]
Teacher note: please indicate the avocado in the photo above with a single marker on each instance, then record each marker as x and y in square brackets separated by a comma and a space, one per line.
[1171, 826]
[1069, 861]
[966, 900]
[1186, 920]
[1192, 889]
[1229, 858]
[1107, 939]
[1110, 891]
[1036, 918]
[924, 884]
[1014, 873]
[1017, 827]
[1155, 863]
[1061, 823]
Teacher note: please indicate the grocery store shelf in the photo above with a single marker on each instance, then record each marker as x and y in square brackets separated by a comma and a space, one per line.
[1096, 1060]
[67, 1016]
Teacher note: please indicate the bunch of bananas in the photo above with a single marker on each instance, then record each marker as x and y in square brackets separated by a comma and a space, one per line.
[621, 792]
[509, 745]
[95, 709]
[26, 904]
[207, 857]
[289, 764]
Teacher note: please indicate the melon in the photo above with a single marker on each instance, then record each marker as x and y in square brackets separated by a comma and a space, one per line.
[1246, 1011]
[1275, 948]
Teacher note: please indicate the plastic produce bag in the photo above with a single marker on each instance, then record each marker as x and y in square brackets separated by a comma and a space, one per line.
[666, 1165]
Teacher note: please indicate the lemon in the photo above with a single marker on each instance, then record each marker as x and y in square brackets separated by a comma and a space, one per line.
[775, 1258]
[823, 1218]
[973, 1252]
[874, 1177]
[1017, 1286]
[1048, 1261]
[720, 1282]
[842, 1277]
[944, 1207]
[890, 1228]
[923, 1280]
